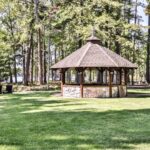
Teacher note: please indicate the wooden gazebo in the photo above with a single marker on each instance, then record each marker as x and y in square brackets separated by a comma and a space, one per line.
[94, 71]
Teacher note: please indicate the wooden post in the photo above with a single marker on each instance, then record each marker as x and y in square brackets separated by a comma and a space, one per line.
[52, 75]
[90, 75]
[101, 77]
[110, 84]
[126, 79]
[81, 83]
[62, 80]
[98, 75]
[77, 77]
[132, 76]
[125, 76]
[121, 76]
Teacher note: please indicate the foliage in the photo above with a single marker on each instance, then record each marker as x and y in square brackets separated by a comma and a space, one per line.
[33, 27]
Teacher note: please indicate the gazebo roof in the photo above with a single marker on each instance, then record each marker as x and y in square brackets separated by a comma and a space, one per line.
[93, 55]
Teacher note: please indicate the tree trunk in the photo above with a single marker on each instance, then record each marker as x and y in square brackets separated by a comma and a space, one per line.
[40, 58]
[29, 50]
[62, 53]
[80, 42]
[117, 44]
[44, 62]
[49, 62]
[129, 11]
[148, 54]
[13, 46]
[118, 32]
[27, 68]
[134, 36]
[32, 63]
[40, 54]
[10, 73]
[15, 68]
[24, 65]
[134, 39]
[55, 57]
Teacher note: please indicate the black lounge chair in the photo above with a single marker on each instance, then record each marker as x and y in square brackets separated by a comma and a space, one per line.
[9, 89]
[1, 89]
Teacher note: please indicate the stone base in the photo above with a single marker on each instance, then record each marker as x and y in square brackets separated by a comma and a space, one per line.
[71, 91]
[92, 91]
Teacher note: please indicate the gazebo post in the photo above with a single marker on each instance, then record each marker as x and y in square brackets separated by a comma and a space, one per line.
[125, 76]
[110, 83]
[62, 71]
[81, 83]
[52, 74]
[120, 76]
[90, 74]
[102, 75]
[132, 76]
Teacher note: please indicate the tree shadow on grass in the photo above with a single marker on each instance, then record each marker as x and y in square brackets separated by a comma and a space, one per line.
[138, 94]
[36, 93]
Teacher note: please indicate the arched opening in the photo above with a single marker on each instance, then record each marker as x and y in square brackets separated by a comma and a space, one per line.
[105, 77]
[91, 76]
[116, 77]
[97, 76]
[72, 76]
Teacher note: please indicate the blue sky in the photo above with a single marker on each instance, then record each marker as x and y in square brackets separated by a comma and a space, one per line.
[142, 13]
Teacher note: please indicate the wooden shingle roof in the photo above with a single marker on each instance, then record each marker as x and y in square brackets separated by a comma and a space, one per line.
[93, 55]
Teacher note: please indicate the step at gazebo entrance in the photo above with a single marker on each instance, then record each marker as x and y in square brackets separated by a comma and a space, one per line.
[94, 71]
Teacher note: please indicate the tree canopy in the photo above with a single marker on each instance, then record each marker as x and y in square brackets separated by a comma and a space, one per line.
[35, 34]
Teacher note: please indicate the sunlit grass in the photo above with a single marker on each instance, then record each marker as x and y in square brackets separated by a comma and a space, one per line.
[42, 121]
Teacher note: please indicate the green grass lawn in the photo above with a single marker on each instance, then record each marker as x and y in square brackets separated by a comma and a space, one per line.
[41, 121]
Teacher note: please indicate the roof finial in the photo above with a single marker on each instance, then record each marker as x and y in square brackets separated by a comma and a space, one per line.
[93, 39]
[93, 31]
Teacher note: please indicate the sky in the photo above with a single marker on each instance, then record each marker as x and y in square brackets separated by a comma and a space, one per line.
[142, 13]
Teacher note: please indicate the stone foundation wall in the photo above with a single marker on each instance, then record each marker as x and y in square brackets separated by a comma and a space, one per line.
[71, 91]
[94, 91]
[115, 91]
[122, 91]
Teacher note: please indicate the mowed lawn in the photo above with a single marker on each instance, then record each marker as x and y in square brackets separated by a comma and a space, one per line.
[42, 121]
